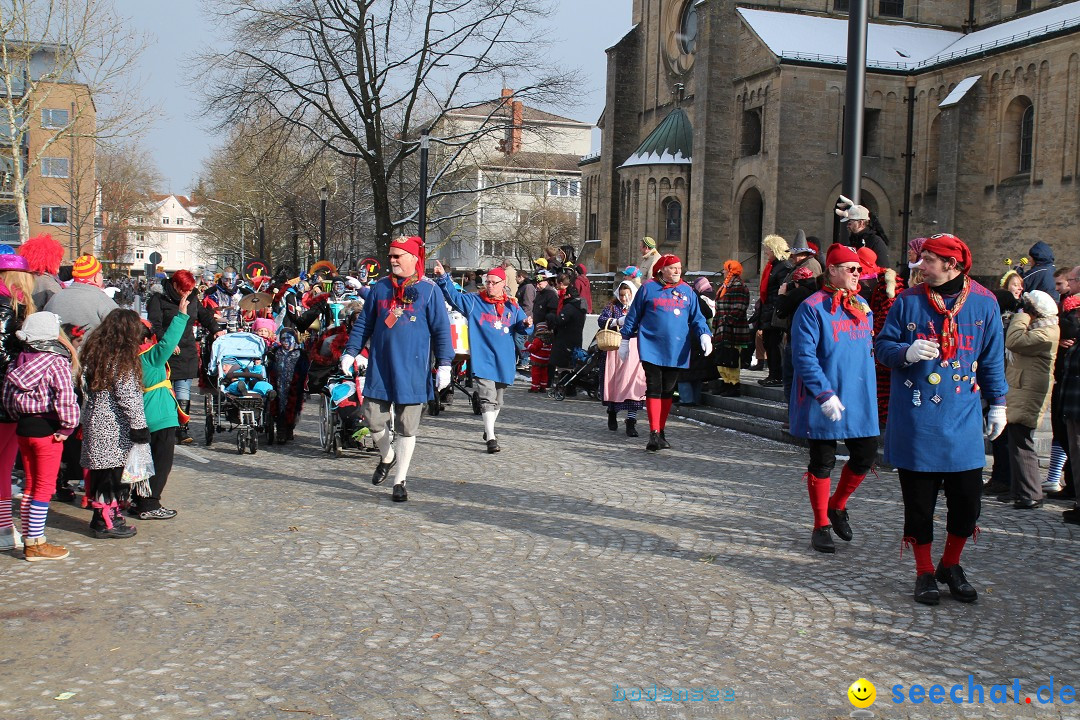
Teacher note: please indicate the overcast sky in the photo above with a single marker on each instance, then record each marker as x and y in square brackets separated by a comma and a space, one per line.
[180, 141]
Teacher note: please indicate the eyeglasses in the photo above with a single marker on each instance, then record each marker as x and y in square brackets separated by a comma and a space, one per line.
[397, 257]
[492, 282]
[854, 270]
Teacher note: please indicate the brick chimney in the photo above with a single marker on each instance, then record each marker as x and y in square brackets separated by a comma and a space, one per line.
[515, 130]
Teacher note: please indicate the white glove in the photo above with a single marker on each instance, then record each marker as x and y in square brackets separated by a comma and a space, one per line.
[442, 377]
[833, 408]
[353, 283]
[621, 321]
[995, 421]
[922, 350]
[347, 364]
[361, 362]
[624, 350]
[706, 344]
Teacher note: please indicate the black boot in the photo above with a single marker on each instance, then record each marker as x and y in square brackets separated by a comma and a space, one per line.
[612, 420]
[654, 442]
[183, 437]
[664, 444]
[101, 531]
[631, 429]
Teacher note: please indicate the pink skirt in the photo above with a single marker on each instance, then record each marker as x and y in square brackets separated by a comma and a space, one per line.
[624, 380]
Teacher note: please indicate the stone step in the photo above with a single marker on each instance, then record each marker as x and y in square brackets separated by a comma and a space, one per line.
[738, 421]
[748, 405]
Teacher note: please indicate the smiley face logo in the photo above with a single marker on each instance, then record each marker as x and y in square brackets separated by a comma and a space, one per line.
[862, 693]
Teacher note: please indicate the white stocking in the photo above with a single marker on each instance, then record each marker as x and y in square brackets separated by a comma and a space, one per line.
[382, 440]
[405, 446]
[489, 423]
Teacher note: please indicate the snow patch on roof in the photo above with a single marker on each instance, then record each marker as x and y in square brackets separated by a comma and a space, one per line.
[652, 158]
[959, 91]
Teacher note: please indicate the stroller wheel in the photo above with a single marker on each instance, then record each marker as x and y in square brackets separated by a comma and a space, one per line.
[253, 442]
[271, 430]
[558, 394]
[475, 398]
[335, 446]
[240, 444]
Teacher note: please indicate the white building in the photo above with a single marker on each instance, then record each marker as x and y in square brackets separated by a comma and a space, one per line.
[528, 180]
[167, 226]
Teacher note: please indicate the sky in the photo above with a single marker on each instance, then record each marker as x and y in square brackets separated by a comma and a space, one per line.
[180, 141]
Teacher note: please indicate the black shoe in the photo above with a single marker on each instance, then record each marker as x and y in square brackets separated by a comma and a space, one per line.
[664, 444]
[771, 382]
[1063, 494]
[493, 446]
[731, 390]
[400, 493]
[117, 531]
[821, 540]
[1027, 504]
[959, 587]
[382, 470]
[926, 590]
[654, 442]
[1072, 517]
[612, 420]
[995, 488]
[64, 494]
[840, 524]
[631, 429]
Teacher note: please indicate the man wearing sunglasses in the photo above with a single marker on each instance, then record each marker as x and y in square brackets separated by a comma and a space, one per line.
[405, 321]
[494, 318]
[834, 393]
[944, 342]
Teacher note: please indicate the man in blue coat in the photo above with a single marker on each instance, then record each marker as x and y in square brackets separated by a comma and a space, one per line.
[405, 321]
[665, 317]
[834, 391]
[494, 319]
[944, 342]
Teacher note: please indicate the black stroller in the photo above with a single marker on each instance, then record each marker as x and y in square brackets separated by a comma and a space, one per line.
[585, 375]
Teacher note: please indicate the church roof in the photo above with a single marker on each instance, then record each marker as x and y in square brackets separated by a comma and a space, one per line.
[671, 143]
[903, 47]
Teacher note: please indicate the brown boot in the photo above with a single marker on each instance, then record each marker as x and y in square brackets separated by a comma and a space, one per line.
[37, 549]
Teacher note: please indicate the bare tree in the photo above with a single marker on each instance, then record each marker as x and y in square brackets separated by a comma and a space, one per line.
[364, 76]
[128, 179]
[72, 53]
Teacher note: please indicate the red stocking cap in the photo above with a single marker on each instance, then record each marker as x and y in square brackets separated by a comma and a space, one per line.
[497, 272]
[415, 247]
[950, 246]
[839, 254]
[663, 262]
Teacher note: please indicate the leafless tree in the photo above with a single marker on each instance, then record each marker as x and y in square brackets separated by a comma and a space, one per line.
[75, 54]
[364, 76]
[128, 178]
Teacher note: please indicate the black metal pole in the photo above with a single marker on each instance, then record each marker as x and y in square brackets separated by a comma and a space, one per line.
[262, 241]
[422, 221]
[322, 229]
[909, 153]
[853, 104]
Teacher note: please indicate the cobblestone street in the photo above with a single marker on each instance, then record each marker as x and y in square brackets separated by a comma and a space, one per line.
[537, 583]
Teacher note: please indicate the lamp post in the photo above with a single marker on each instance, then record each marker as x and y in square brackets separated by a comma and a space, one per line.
[425, 143]
[262, 241]
[324, 195]
[855, 98]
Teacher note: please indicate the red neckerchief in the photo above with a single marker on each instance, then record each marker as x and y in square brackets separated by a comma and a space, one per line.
[950, 335]
[849, 299]
[499, 303]
[1070, 303]
[765, 280]
[562, 296]
[399, 288]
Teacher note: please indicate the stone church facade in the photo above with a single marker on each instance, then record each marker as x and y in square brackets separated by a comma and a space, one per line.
[724, 123]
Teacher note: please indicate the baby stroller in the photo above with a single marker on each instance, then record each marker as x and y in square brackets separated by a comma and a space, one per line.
[238, 357]
[341, 422]
[585, 375]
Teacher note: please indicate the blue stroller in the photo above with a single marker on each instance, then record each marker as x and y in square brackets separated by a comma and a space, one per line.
[241, 395]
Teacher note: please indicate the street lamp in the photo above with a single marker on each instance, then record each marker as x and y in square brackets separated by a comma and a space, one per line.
[324, 195]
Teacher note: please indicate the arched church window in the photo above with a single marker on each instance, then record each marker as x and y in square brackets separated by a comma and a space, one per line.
[688, 28]
[1027, 134]
[673, 224]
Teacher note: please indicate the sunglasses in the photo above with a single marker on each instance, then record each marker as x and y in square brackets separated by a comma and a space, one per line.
[853, 270]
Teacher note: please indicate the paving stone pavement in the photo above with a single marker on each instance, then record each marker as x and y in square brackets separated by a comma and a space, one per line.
[523, 585]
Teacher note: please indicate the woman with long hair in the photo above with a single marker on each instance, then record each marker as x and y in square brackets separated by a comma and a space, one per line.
[16, 303]
[113, 417]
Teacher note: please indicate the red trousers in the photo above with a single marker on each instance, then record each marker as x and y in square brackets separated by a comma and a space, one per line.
[539, 376]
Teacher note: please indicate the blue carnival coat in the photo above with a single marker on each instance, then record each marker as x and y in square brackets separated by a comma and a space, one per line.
[399, 358]
[665, 321]
[493, 354]
[944, 435]
[833, 354]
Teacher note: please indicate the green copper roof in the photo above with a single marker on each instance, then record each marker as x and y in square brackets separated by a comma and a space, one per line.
[671, 143]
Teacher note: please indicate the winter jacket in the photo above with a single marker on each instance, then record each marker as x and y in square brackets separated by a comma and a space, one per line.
[10, 346]
[645, 265]
[39, 393]
[832, 353]
[81, 305]
[45, 286]
[545, 306]
[1069, 384]
[782, 318]
[944, 435]
[1032, 347]
[868, 238]
[666, 320]
[568, 324]
[161, 308]
[584, 287]
[787, 305]
[777, 272]
[493, 353]
[1041, 274]
[732, 327]
[399, 357]
[159, 404]
[525, 295]
[109, 416]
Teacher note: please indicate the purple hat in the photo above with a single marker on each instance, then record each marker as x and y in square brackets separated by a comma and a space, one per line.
[14, 262]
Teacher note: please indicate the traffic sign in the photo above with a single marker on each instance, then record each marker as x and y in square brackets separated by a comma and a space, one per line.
[155, 257]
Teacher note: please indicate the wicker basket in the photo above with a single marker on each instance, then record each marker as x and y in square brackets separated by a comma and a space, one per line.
[608, 339]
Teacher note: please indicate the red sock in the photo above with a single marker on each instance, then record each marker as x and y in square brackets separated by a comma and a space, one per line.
[665, 408]
[954, 545]
[848, 482]
[923, 563]
[652, 405]
[819, 499]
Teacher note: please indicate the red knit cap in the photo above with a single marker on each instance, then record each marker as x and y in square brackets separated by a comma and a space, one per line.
[497, 272]
[663, 262]
[950, 246]
[414, 246]
[839, 254]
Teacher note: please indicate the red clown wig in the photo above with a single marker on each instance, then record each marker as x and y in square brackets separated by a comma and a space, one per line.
[43, 254]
